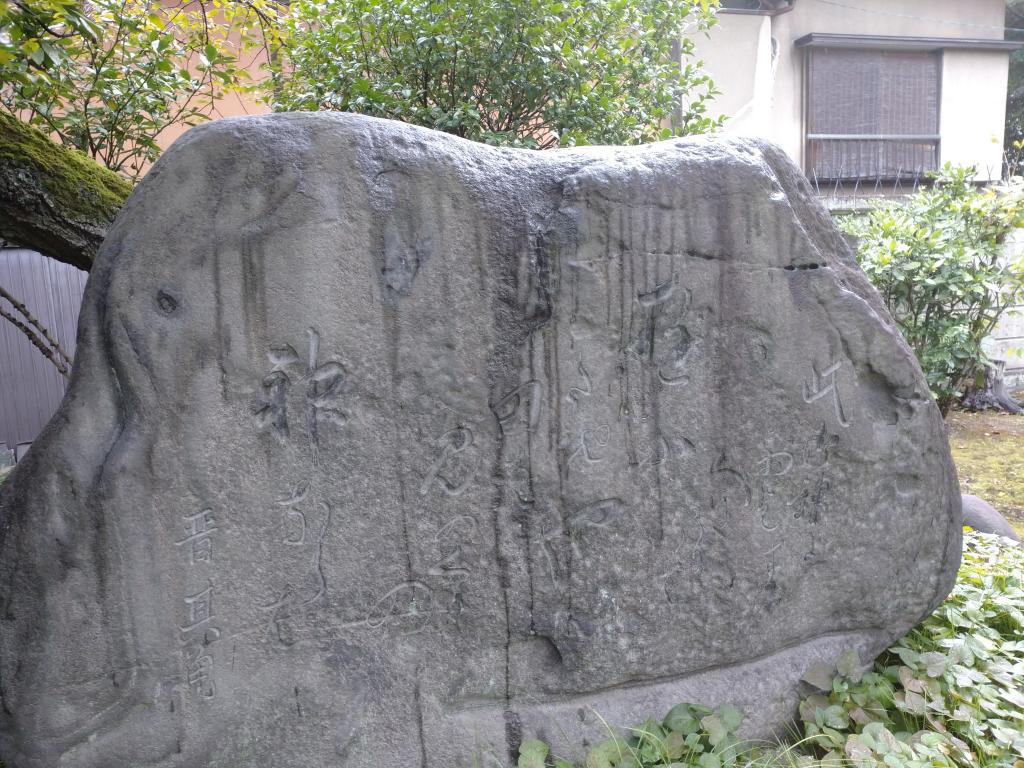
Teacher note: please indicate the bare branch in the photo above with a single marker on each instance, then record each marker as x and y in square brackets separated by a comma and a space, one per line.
[4, 294]
[46, 351]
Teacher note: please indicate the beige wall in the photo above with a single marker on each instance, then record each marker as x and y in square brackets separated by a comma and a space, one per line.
[232, 105]
[973, 110]
[738, 54]
[973, 116]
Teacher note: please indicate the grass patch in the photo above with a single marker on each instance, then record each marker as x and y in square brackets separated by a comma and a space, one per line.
[988, 450]
[948, 695]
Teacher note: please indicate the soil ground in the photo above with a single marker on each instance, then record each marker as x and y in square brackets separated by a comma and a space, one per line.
[988, 450]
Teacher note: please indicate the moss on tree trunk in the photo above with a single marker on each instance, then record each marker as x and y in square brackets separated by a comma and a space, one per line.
[52, 198]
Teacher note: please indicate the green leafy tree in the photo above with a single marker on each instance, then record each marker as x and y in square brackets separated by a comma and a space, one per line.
[527, 73]
[107, 76]
[31, 32]
[938, 261]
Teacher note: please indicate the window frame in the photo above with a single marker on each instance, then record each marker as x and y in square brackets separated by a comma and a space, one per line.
[887, 43]
[874, 45]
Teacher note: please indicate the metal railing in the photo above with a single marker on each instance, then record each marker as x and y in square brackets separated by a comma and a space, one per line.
[882, 164]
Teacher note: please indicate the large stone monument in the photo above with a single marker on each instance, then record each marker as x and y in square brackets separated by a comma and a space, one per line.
[384, 448]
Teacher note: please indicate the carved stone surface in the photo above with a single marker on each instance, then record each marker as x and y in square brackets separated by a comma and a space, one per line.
[385, 448]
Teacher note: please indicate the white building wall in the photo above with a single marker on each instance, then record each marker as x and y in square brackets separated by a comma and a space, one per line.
[741, 61]
[973, 87]
[973, 112]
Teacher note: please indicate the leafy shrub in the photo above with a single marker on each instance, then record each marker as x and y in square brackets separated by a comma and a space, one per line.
[938, 262]
[948, 695]
[689, 735]
[529, 73]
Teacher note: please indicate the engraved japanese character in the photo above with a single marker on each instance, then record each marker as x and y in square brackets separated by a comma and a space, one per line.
[199, 536]
[824, 384]
[200, 608]
[199, 673]
[588, 440]
[451, 443]
[323, 383]
[296, 519]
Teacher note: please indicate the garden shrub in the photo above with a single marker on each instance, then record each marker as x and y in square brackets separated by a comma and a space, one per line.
[524, 73]
[950, 694]
[938, 261]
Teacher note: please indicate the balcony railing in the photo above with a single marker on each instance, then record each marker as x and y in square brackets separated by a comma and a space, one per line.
[853, 157]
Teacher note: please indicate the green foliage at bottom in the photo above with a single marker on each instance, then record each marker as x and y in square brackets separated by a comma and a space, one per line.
[948, 695]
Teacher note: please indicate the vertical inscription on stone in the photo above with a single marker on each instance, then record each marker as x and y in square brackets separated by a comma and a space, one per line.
[794, 486]
[305, 521]
[197, 629]
[580, 390]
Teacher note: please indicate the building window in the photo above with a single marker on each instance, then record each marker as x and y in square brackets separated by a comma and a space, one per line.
[770, 7]
[741, 5]
[872, 115]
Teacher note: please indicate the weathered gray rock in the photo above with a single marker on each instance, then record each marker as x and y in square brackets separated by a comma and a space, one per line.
[384, 448]
[982, 516]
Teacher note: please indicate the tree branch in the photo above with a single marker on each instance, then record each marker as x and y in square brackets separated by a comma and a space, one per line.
[46, 351]
[23, 310]
[53, 199]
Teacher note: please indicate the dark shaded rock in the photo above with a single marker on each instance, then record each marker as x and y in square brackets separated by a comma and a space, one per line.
[982, 516]
[386, 448]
